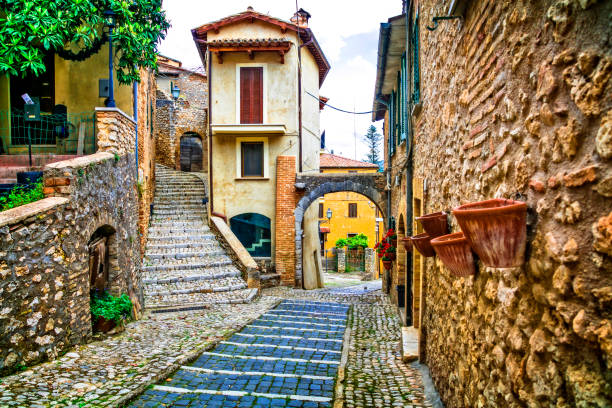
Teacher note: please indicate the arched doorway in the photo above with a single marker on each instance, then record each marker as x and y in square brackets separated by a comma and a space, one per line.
[102, 251]
[254, 232]
[191, 152]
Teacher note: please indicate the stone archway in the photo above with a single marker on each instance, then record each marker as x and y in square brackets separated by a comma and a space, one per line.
[191, 152]
[314, 186]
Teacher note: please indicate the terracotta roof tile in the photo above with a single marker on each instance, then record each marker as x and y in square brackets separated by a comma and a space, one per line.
[334, 161]
[250, 42]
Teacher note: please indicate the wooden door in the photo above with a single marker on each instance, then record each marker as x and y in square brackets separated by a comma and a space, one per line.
[98, 264]
[191, 153]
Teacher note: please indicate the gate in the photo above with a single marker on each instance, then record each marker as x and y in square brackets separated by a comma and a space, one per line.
[355, 260]
[191, 153]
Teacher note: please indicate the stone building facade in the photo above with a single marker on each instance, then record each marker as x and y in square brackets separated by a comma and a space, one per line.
[184, 119]
[513, 102]
[45, 254]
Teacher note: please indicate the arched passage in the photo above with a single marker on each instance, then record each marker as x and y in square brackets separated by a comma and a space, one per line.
[325, 187]
[191, 152]
[102, 258]
[254, 232]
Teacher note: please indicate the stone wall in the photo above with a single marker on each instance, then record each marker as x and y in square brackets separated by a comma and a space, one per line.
[114, 131]
[44, 256]
[175, 118]
[516, 103]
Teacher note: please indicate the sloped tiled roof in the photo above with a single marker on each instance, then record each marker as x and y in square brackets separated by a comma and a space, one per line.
[327, 160]
[200, 35]
[250, 42]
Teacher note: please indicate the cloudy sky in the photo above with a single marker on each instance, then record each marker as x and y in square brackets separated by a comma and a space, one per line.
[347, 31]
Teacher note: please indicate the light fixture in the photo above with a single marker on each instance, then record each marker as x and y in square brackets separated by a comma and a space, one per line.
[109, 17]
[329, 214]
[176, 92]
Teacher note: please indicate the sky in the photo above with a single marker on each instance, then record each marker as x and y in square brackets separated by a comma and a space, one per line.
[347, 31]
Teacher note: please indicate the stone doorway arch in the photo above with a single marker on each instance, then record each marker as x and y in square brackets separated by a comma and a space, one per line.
[191, 152]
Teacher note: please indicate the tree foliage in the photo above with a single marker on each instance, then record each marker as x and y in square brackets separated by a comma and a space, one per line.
[372, 139]
[355, 242]
[31, 28]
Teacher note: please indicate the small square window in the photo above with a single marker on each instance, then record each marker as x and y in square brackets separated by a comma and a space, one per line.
[252, 154]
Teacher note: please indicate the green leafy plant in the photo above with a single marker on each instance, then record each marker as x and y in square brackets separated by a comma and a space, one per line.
[341, 243]
[110, 307]
[358, 241]
[75, 29]
[20, 196]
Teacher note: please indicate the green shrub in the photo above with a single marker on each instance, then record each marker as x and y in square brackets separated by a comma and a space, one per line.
[341, 243]
[358, 241]
[20, 196]
[110, 307]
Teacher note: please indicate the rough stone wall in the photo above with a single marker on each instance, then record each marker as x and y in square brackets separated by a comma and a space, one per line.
[44, 258]
[146, 151]
[187, 114]
[284, 255]
[115, 131]
[516, 103]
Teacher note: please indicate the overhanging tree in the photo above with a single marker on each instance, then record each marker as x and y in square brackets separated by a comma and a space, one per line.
[372, 138]
[75, 30]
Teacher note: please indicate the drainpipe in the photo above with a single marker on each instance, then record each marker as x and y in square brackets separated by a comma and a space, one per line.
[299, 53]
[380, 100]
[409, 175]
[210, 141]
[135, 98]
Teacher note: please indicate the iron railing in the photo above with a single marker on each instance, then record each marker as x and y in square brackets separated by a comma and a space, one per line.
[52, 133]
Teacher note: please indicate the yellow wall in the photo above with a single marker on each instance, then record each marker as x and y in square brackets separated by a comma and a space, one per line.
[341, 224]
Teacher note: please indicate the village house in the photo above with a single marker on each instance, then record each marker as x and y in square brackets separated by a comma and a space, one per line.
[503, 100]
[264, 76]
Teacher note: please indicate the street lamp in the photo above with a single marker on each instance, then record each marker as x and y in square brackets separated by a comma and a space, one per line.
[176, 92]
[109, 17]
[329, 214]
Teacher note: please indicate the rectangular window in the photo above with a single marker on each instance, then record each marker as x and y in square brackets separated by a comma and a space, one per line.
[352, 207]
[321, 210]
[252, 154]
[251, 95]
[351, 235]
[416, 85]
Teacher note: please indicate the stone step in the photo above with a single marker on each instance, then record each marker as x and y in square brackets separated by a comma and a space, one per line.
[180, 239]
[170, 255]
[170, 276]
[178, 247]
[192, 301]
[163, 230]
[178, 223]
[188, 259]
[150, 267]
[225, 284]
[218, 274]
[269, 280]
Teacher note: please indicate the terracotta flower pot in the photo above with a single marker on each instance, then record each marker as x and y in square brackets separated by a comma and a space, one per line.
[393, 242]
[435, 224]
[455, 253]
[407, 242]
[104, 325]
[387, 264]
[391, 255]
[496, 230]
[422, 243]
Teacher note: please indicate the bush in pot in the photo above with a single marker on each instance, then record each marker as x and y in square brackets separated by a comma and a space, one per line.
[108, 311]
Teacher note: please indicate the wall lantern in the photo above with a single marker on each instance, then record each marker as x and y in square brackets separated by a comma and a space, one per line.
[109, 17]
[176, 92]
[329, 214]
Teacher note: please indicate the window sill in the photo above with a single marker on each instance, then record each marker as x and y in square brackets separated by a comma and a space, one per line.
[252, 178]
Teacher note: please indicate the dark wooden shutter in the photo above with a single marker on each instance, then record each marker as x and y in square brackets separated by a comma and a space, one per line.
[251, 95]
[353, 210]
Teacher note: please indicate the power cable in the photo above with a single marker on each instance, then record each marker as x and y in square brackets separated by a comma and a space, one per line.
[338, 109]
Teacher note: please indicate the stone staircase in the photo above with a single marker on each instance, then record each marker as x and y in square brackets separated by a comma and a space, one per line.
[184, 266]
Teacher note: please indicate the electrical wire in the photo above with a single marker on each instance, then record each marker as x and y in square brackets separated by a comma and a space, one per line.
[338, 109]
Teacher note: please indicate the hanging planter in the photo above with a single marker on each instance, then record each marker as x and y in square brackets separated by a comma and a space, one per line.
[390, 253]
[407, 243]
[455, 253]
[387, 263]
[496, 230]
[435, 224]
[422, 243]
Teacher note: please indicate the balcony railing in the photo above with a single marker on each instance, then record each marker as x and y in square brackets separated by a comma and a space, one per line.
[72, 133]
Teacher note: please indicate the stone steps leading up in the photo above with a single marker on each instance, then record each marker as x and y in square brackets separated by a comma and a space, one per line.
[184, 266]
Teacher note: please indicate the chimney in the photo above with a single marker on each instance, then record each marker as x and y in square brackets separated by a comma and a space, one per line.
[300, 18]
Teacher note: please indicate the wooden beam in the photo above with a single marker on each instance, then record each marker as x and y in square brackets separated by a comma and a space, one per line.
[282, 56]
[219, 56]
[251, 54]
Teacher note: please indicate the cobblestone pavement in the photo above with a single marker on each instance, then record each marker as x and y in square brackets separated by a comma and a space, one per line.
[288, 357]
[111, 371]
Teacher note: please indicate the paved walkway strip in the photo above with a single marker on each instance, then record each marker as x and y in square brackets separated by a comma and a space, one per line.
[291, 364]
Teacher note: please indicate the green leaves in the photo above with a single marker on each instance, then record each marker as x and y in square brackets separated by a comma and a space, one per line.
[110, 307]
[20, 196]
[27, 27]
[358, 241]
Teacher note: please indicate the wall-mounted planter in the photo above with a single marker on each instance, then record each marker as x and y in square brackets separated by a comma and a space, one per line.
[407, 243]
[455, 253]
[435, 224]
[422, 243]
[496, 230]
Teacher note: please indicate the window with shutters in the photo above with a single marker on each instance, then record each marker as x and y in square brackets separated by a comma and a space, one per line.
[251, 94]
[321, 215]
[252, 154]
[352, 207]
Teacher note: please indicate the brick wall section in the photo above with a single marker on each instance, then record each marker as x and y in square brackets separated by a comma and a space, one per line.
[115, 131]
[174, 118]
[284, 234]
[516, 100]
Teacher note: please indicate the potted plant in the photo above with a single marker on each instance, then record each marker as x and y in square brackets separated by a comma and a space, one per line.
[435, 224]
[108, 311]
[455, 253]
[496, 230]
[387, 262]
[390, 252]
[407, 243]
[422, 243]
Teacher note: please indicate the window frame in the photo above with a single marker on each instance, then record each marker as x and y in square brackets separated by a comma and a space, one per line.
[354, 206]
[266, 172]
[264, 67]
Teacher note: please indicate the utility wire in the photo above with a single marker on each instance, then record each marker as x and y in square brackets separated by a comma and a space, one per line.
[338, 109]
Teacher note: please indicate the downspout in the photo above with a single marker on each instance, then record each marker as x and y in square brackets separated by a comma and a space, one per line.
[135, 100]
[210, 142]
[409, 175]
[299, 53]
[380, 100]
